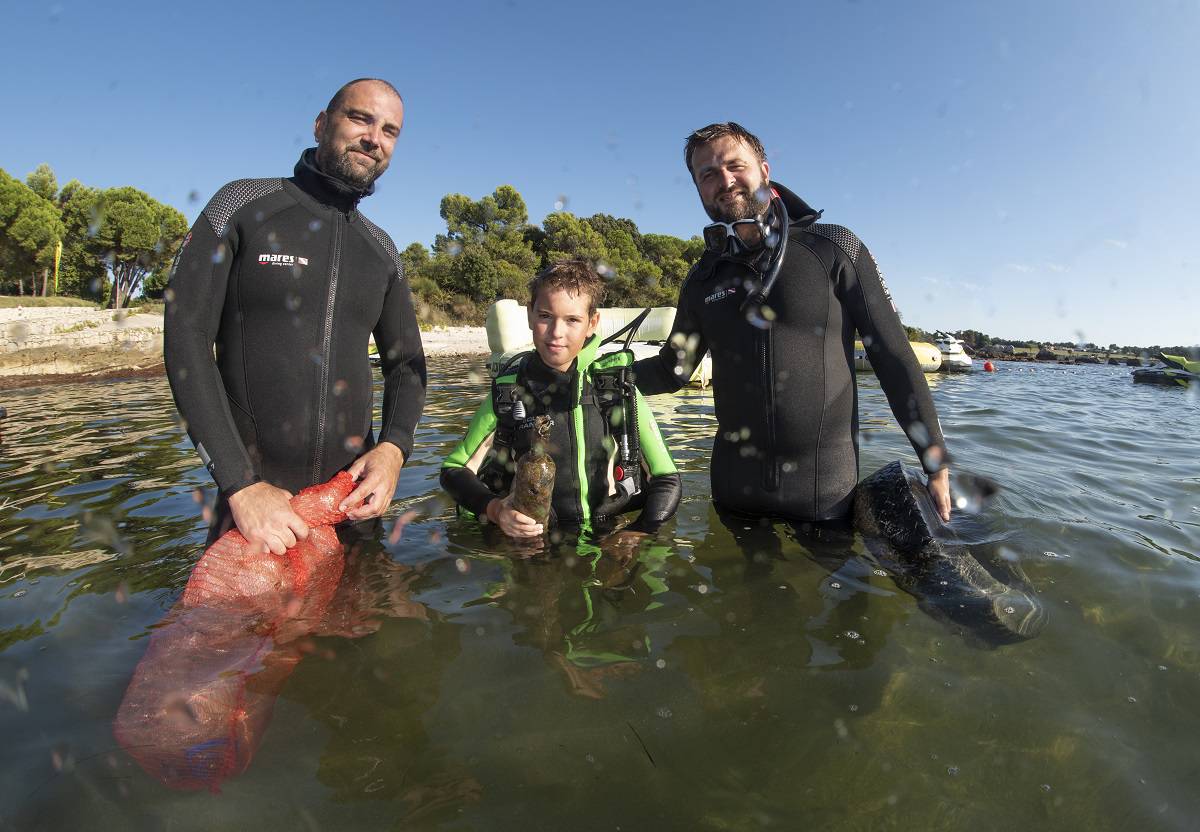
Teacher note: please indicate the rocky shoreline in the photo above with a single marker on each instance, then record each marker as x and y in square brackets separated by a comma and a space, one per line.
[64, 345]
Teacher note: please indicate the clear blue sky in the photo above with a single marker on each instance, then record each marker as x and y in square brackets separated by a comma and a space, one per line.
[1026, 169]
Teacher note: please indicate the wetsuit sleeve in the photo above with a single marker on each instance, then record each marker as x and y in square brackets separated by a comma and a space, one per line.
[457, 477]
[664, 488]
[402, 359]
[195, 299]
[680, 355]
[863, 291]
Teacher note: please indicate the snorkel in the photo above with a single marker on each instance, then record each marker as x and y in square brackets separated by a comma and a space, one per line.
[754, 307]
[765, 238]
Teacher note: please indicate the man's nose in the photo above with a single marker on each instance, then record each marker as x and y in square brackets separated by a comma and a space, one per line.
[373, 136]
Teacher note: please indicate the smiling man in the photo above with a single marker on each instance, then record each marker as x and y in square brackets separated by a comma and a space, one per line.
[287, 280]
[777, 297]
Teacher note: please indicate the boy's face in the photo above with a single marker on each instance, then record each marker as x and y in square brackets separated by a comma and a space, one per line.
[561, 324]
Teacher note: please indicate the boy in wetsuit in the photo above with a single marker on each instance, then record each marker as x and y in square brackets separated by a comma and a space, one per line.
[607, 450]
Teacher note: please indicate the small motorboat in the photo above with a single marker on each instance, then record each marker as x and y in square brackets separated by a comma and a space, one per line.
[954, 357]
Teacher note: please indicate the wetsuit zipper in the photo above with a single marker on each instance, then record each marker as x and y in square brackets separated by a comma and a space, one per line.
[334, 265]
[771, 464]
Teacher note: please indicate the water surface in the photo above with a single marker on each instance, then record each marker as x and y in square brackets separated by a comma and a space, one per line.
[743, 677]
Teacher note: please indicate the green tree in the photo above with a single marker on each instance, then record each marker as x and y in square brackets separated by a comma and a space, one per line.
[30, 230]
[137, 235]
[485, 252]
[81, 272]
[42, 181]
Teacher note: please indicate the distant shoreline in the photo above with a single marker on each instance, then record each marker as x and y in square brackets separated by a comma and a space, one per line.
[82, 352]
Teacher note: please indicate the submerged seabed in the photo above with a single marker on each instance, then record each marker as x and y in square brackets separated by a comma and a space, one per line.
[741, 678]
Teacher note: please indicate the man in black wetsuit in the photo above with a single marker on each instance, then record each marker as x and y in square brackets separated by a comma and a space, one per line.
[288, 280]
[783, 370]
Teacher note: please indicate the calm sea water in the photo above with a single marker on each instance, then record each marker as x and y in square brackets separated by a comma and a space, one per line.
[740, 678]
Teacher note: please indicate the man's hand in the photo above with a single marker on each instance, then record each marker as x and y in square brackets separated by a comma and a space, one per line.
[265, 518]
[939, 490]
[376, 471]
[512, 522]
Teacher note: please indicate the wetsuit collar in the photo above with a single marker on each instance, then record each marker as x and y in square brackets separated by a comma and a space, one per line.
[326, 189]
[799, 212]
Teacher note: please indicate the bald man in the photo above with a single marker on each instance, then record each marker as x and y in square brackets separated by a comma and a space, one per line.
[287, 280]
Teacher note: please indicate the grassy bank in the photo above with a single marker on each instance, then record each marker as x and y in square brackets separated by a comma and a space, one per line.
[13, 301]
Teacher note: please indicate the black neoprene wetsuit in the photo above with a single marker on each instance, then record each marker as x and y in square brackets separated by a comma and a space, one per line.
[785, 395]
[288, 280]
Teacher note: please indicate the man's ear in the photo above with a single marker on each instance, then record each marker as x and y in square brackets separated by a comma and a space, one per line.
[319, 126]
[594, 323]
[766, 172]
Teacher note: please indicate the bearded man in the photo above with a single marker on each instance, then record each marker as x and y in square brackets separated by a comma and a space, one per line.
[287, 280]
[777, 298]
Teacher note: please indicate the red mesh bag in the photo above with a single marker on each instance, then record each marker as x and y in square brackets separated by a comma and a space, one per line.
[230, 573]
[201, 697]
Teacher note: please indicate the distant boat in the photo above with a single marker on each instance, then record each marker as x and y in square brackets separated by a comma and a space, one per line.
[1179, 371]
[954, 358]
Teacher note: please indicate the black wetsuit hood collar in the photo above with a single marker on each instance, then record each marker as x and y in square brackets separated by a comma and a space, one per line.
[326, 189]
[541, 372]
[800, 213]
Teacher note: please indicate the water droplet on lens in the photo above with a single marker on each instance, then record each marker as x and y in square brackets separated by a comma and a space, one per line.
[353, 444]
[664, 712]
[952, 771]
[1132, 700]
[462, 565]
[314, 225]
[853, 634]
[18, 333]
[660, 664]
[760, 316]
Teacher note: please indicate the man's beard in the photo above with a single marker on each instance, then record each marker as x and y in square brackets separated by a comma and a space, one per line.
[341, 166]
[742, 207]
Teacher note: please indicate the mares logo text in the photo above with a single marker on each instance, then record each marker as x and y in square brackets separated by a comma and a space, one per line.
[282, 260]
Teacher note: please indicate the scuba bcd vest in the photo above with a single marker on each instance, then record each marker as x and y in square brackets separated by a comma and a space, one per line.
[610, 388]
